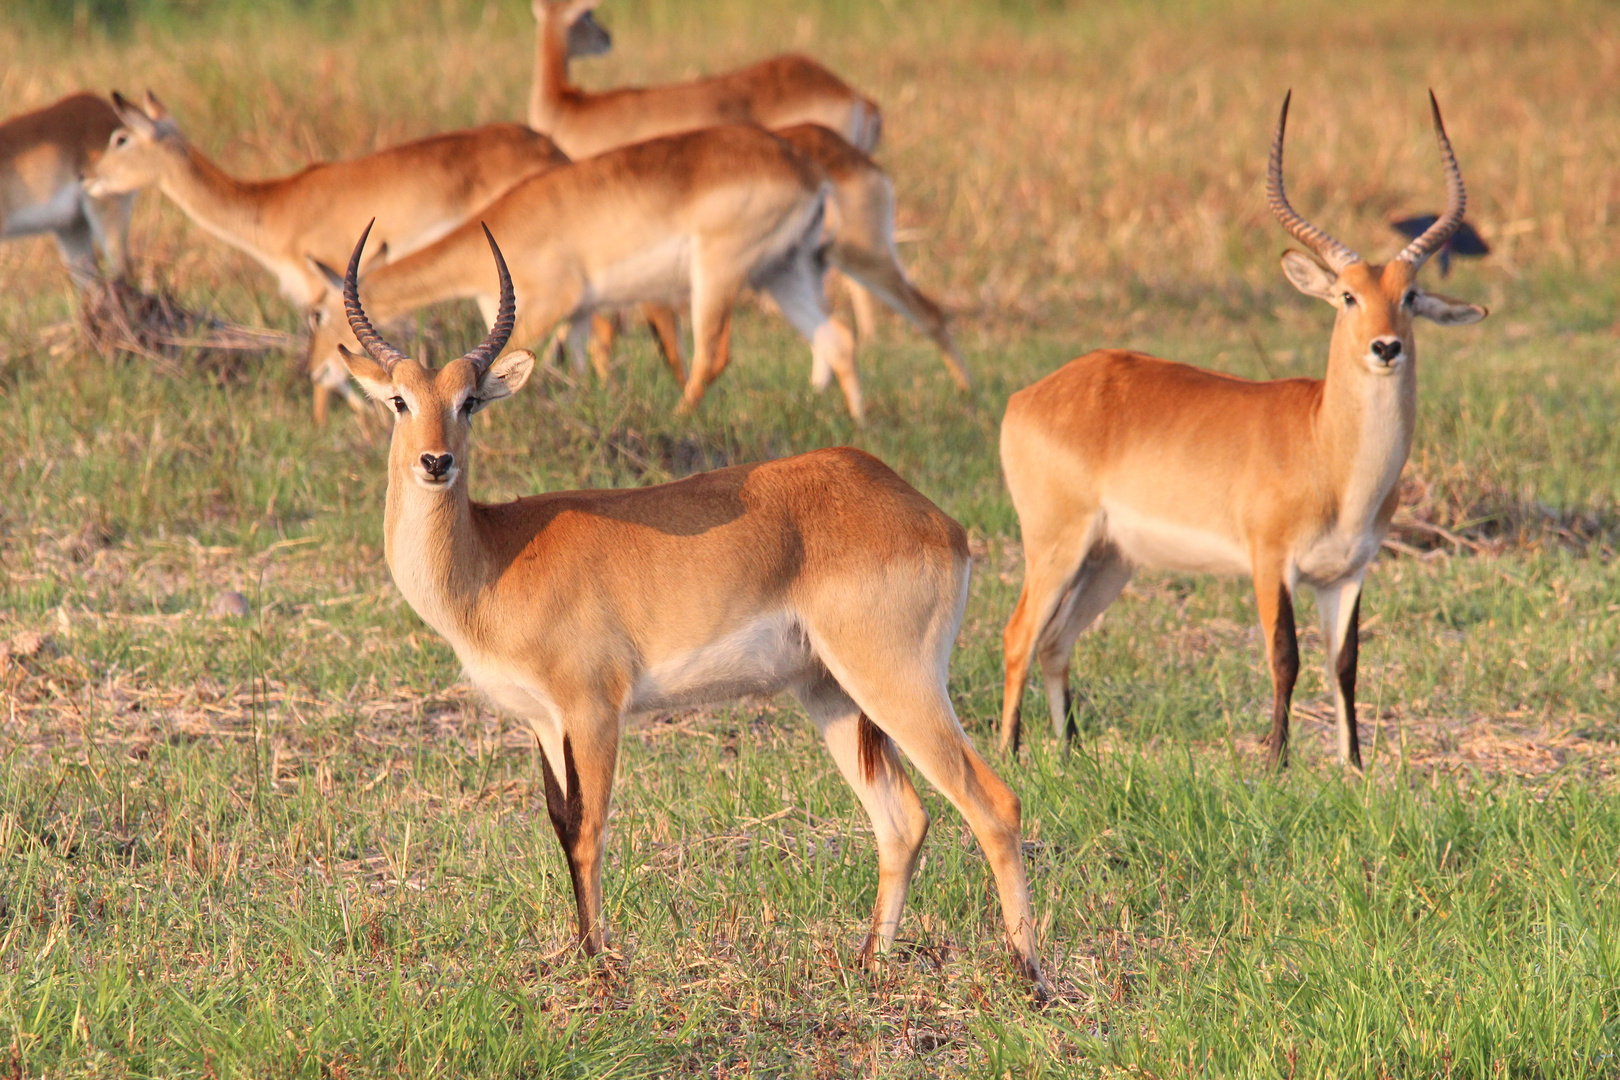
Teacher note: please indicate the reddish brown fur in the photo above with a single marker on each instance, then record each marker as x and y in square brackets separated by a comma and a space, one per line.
[773, 93]
[46, 151]
[824, 574]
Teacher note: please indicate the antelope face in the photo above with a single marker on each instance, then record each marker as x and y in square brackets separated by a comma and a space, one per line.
[586, 36]
[137, 153]
[1376, 306]
[433, 409]
[1376, 303]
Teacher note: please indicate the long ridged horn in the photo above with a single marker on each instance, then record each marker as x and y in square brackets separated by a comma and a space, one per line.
[505, 315]
[1435, 236]
[382, 352]
[1328, 249]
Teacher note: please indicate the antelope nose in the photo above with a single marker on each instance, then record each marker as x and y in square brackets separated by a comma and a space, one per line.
[1386, 349]
[437, 464]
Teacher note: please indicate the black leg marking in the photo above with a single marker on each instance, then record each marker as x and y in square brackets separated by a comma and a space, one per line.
[1348, 652]
[567, 811]
[1284, 671]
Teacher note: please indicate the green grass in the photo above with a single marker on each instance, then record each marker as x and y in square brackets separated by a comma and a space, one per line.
[298, 844]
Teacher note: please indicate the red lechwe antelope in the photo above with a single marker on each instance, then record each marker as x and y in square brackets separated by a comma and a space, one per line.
[774, 93]
[699, 216]
[43, 155]
[802, 102]
[860, 243]
[824, 574]
[1119, 460]
[417, 192]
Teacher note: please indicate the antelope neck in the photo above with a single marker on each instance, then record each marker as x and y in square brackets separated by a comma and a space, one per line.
[433, 550]
[1364, 429]
[221, 204]
[550, 74]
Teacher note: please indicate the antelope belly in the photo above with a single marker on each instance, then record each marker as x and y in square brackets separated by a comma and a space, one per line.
[1147, 540]
[661, 272]
[763, 657]
[60, 211]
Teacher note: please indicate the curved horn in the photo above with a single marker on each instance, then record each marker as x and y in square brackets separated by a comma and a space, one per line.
[1328, 249]
[382, 352]
[505, 314]
[1435, 236]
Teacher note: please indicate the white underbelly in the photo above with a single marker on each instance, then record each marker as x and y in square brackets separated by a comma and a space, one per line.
[660, 273]
[1145, 540]
[58, 212]
[765, 656]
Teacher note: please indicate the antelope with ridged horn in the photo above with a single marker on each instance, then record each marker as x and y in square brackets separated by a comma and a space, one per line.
[1120, 460]
[823, 574]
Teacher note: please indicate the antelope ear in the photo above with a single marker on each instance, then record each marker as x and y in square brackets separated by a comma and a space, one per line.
[132, 117]
[506, 375]
[333, 278]
[1308, 276]
[372, 376]
[155, 108]
[1446, 311]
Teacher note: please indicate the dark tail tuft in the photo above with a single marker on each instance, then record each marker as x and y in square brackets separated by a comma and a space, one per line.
[873, 746]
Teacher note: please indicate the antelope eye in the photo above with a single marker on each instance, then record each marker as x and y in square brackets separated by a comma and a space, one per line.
[399, 405]
[120, 138]
[470, 406]
[1410, 298]
[1349, 300]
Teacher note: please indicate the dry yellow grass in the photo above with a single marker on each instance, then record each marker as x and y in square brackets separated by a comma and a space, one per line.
[1042, 163]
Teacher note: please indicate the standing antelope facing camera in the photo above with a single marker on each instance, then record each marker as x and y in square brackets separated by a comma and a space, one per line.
[773, 93]
[43, 156]
[417, 192]
[696, 216]
[1119, 460]
[824, 574]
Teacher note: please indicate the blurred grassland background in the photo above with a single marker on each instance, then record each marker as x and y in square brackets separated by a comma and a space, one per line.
[297, 844]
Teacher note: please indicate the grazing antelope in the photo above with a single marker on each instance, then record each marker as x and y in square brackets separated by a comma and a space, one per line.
[1119, 460]
[860, 235]
[823, 574]
[699, 215]
[417, 191]
[43, 154]
[773, 93]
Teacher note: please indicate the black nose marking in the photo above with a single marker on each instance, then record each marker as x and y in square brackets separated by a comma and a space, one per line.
[437, 464]
[1386, 350]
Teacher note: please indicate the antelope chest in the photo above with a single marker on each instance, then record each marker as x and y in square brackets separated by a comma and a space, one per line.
[518, 692]
[1336, 555]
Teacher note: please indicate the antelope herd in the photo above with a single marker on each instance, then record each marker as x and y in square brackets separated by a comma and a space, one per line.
[823, 574]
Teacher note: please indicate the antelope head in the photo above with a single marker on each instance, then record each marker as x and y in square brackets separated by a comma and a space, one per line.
[138, 153]
[585, 36]
[1376, 304]
[433, 408]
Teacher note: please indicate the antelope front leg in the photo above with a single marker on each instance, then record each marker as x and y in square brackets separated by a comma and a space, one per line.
[1340, 608]
[577, 802]
[1282, 651]
[665, 325]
